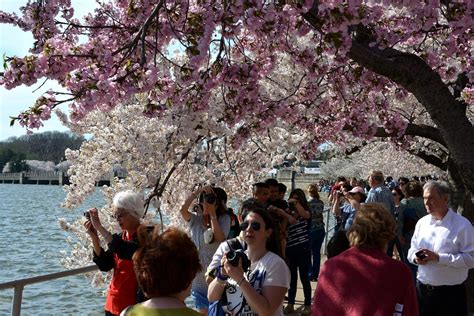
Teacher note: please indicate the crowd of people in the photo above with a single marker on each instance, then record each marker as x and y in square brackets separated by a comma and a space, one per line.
[397, 249]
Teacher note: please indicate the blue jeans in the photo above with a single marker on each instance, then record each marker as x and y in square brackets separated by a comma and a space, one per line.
[200, 300]
[316, 237]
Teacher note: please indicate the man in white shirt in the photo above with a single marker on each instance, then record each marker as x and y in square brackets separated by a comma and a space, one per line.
[443, 248]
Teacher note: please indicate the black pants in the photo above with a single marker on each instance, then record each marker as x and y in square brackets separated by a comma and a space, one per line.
[441, 300]
[302, 263]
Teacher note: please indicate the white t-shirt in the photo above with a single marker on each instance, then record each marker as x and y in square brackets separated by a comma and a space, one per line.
[206, 251]
[270, 270]
[221, 250]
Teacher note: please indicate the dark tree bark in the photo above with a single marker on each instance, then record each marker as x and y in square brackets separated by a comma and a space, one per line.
[412, 73]
[449, 114]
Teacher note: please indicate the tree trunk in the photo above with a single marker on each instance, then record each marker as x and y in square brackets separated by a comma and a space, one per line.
[461, 198]
[413, 74]
[449, 115]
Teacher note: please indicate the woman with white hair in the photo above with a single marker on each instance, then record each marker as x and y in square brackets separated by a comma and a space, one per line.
[128, 208]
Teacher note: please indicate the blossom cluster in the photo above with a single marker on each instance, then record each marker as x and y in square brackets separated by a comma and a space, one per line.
[181, 93]
[233, 48]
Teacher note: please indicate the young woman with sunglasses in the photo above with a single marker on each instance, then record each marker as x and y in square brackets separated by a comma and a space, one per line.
[123, 289]
[260, 290]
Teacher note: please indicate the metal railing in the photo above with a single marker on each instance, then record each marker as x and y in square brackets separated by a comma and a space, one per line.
[328, 230]
[19, 285]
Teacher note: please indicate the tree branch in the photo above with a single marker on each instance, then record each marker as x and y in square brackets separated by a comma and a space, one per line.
[430, 159]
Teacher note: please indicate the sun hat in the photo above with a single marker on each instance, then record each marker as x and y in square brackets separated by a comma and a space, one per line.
[357, 190]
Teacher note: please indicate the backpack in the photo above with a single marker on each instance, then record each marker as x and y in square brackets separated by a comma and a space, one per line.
[410, 218]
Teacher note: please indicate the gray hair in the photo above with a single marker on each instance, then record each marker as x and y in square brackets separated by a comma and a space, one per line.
[130, 201]
[441, 187]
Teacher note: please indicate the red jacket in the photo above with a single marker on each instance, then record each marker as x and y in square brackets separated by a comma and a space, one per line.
[123, 288]
[364, 282]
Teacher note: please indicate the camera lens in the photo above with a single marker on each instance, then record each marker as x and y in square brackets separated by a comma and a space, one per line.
[210, 198]
[233, 258]
[292, 206]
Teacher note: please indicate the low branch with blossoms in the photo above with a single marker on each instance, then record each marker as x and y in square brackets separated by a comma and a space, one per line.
[158, 82]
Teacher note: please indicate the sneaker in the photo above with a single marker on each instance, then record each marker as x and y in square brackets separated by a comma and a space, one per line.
[290, 308]
[304, 310]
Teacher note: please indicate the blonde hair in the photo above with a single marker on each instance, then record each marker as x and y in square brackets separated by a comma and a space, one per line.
[313, 191]
[373, 227]
[377, 176]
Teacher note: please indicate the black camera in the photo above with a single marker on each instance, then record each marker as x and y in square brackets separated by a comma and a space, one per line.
[87, 215]
[197, 208]
[420, 255]
[209, 198]
[292, 207]
[233, 256]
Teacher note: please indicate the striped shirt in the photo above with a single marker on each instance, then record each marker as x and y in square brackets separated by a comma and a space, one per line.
[298, 234]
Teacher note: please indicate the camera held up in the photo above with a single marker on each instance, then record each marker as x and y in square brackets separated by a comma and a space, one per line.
[87, 215]
[209, 198]
[292, 207]
[235, 255]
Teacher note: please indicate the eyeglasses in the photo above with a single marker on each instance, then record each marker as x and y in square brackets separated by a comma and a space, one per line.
[119, 215]
[395, 194]
[254, 225]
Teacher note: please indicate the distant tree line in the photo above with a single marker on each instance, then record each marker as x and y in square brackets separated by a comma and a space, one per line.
[47, 146]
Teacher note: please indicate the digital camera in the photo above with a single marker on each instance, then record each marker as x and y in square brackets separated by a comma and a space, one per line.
[197, 208]
[209, 198]
[233, 256]
[292, 207]
[87, 215]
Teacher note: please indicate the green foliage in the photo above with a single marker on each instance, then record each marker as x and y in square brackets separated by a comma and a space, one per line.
[18, 163]
[48, 146]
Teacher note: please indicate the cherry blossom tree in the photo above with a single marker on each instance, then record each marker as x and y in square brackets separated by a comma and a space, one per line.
[236, 74]
[168, 156]
[350, 60]
[383, 156]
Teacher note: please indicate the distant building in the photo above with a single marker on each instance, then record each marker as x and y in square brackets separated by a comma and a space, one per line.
[312, 167]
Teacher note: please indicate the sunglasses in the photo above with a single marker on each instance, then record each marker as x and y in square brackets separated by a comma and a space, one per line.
[254, 225]
[395, 194]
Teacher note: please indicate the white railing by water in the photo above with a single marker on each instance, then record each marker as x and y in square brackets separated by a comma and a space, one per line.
[19, 285]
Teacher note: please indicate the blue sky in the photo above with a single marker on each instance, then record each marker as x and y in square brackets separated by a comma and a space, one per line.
[15, 42]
